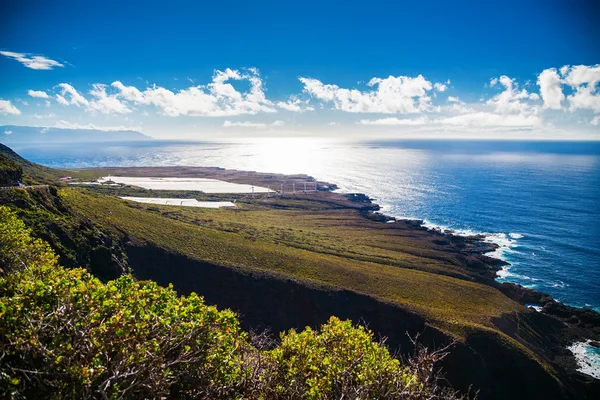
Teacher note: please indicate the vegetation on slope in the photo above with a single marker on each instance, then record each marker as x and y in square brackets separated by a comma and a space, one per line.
[10, 171]
[65, 334]
[31, 173]
[77, 241]
[334, 248]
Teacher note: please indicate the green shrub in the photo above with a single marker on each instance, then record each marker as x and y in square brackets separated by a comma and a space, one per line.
[11, 172]
[341, 361]
[64, 334]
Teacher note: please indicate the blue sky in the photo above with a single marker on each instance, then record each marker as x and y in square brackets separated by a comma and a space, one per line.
[324, 68]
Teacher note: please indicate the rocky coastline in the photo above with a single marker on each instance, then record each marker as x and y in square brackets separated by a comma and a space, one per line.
[578, 324]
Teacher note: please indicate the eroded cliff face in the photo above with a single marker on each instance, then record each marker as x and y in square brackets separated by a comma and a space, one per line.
[485, 362]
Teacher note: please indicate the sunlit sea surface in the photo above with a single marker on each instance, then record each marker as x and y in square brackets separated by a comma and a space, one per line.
[539, 200]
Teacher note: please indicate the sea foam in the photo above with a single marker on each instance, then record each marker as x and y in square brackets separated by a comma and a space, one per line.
[587, 357]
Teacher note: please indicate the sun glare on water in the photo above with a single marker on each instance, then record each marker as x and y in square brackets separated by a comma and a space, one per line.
[287, 155]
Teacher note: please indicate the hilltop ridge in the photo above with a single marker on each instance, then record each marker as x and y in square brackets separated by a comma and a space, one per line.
[11, 134]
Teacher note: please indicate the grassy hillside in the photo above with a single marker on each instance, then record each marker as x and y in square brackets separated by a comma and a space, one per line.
[65, 334]
[317, 245]
[309, 255]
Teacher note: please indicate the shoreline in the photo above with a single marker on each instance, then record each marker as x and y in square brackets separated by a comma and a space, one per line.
[581, 325]
[582, 338]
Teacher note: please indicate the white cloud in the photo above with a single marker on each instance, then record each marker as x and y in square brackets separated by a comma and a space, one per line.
[584, 81]
[50, 115]
[582, 75]
[32, 61]
[106, 104]
[395, 121]
[62, 100]
[392, 95]
[218, 98]
[440, 87]
[487, 119]
[595, 121]
[37, 93]
[74, 97]
[453, 99]
[549, 82]
[7, 108]
[101, 101]
[249, 124]
[69, 125]
[511, 100]
[295, 104]
[7, 132]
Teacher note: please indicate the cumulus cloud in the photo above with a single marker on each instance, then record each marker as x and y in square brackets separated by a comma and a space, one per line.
[70, 96]
[583, 79]
[295, 104]
[440, 87]
[550, 88]
[100, 102]
[218, 98]
[595, 121]
[32, 61]
[395, 121]
[511, 100]
[37, 93]
[390, 95]
[7, 108]
[104, 103]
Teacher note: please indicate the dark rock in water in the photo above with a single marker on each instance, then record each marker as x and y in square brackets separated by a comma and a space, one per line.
[359, 198]
[524, 295]
[414, 222]
[594, 344]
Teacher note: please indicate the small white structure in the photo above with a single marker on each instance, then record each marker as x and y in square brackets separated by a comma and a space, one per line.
[181, 202]
[204, 185]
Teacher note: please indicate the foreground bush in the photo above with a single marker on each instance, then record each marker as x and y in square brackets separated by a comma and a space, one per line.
[65, 334]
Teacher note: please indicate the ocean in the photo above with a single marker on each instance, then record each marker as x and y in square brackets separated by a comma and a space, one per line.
[540, 201]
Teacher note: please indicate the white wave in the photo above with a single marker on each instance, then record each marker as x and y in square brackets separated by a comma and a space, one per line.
[534, 306]
[587, 357]
[506, 242]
